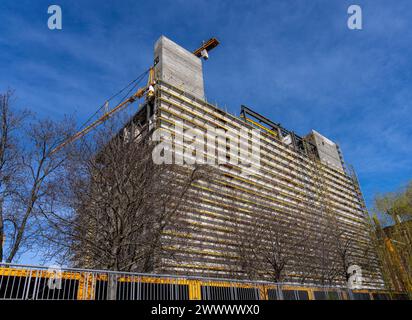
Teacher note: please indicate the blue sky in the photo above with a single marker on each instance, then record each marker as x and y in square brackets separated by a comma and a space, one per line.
[294, 61]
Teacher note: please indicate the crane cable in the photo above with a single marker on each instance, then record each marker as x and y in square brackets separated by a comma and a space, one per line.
[134, 82]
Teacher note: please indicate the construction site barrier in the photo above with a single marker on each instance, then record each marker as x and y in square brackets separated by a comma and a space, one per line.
[24, 282]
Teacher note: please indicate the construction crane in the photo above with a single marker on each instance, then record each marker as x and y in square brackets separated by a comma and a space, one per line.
[148, 90]
[203, 51]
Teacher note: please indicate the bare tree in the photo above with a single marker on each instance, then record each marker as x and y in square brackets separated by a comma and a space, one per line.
[245, 237]
[116, 207]
[325, 257]
[10, 166]
[338, 248]
[286, 248]
[27, 174]
[41, 172]
[270, 246]
[117, 203]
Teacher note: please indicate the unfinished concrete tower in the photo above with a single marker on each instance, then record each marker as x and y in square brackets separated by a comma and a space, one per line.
[179, 67]
[299, 187]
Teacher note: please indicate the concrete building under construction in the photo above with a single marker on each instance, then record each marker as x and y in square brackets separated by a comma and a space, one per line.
[300, 180]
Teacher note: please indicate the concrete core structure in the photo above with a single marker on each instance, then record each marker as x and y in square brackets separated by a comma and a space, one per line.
[328, 151]
[179, 67]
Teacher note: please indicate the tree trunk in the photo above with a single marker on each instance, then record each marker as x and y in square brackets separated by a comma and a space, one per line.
[2, 237]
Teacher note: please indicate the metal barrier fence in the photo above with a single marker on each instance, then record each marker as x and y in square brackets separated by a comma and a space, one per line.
[23, 282]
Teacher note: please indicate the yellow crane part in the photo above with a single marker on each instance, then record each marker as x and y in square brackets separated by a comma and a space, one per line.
[137, 95]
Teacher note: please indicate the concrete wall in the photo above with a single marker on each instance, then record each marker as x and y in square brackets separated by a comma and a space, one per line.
[179, 67]
[327, 149]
